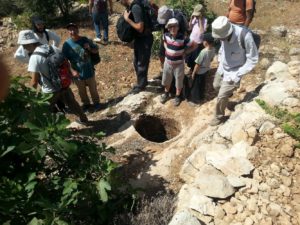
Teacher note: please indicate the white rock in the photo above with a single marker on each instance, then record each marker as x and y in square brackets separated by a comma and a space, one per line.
[248, 221]
[274, 209]
[213, 183]
[275, 92]
[190, 197]
[266, 128]
[291, 102]
[236, 181]
[184, 218]
[294, 67]
[278, 70]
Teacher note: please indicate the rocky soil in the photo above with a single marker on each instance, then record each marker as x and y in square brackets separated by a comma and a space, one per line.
[243, 172]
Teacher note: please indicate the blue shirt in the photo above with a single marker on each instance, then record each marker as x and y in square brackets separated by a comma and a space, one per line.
[79, 58]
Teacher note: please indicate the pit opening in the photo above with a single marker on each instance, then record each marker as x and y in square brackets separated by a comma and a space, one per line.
[156, 129]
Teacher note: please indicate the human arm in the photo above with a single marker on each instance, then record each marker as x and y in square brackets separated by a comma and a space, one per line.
[35, 76]
[21, 55]
[137, 14]
[251, 57]
[196, 69]
[249, 12]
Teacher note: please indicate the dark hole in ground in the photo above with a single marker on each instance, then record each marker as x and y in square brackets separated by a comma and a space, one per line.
[156, 129]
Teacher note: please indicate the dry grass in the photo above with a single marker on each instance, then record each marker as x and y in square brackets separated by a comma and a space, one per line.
[156, 210]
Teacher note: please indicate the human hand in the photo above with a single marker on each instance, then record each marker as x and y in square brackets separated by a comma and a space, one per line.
[126, 15]
[75, 73]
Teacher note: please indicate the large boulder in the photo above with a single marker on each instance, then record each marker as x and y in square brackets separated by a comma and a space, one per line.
[278, 70]
[184, 218]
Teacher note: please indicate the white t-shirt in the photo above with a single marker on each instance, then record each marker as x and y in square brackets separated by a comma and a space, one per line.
[38, 64]
[22, 55]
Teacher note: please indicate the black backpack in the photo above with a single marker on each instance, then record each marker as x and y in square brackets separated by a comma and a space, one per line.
[256, 38]
[125, 32]
[150, 12]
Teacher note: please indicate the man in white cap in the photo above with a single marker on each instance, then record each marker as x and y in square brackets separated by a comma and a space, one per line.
[38, 66]
[238, 55]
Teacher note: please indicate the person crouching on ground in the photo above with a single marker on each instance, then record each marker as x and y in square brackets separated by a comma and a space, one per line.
[201, 69]
[176, 46]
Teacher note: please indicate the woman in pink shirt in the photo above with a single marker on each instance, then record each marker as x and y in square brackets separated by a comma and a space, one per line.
[197, 25]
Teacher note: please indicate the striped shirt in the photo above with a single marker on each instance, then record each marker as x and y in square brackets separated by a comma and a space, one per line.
[175, 48]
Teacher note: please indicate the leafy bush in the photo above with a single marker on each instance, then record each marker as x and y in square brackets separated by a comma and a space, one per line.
[156, 43]
[290, 122]
[49, 175]
[187, 7]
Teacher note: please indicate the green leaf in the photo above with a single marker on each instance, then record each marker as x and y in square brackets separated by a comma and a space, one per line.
[35, 221]
[9, 149]
[102, 186]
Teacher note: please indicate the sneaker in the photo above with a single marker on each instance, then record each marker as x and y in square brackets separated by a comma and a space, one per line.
[86, 107]
[177, 101]
[98, 40]
[97, 107]
[164, 97]
[215, 122]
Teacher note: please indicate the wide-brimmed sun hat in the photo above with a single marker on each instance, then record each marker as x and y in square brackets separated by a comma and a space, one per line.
[198, 10]
[221, 27]
[164, 14]
[26, 37]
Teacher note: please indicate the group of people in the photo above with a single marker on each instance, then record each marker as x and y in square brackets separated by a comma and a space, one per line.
[182, 42]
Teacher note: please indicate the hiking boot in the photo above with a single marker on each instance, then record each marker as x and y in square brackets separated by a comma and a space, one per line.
[164, 97]
[97, 40]
[215, 122]
[86, 107]
[177, 101]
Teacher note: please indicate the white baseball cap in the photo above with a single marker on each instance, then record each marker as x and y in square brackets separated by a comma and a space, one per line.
[27, 37]
[221, 27]
[172, 21]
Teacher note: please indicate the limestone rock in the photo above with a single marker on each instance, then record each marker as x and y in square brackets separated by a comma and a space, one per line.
[278, 70]
[274, 209]
[294, 67]
[183, 218]
[133, 103]
[287, 150]
[279, 31]
[236, 181]
[275, 92]
[294, 51]
[266, 128]
[265, 63]
[191, 198]
[213, 183]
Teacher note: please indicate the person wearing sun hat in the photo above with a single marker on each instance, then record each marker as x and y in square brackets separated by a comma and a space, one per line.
[197, 26]
[234, 59]
[44, 36]
[38, 66]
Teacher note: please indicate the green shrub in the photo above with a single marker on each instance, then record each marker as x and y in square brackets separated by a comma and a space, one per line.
[290, 122]
[49, 174]
[156, 43]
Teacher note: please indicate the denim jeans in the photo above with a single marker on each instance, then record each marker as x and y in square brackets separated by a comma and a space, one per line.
[101, 21]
